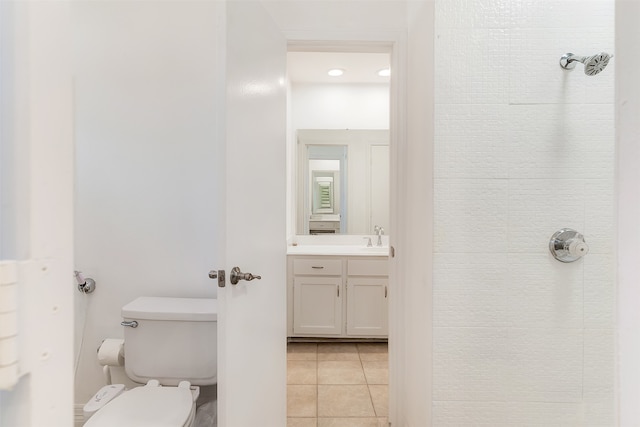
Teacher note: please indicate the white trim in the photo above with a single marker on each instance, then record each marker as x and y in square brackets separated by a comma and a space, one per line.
[394, 43]
[39, 112]
[628, 213]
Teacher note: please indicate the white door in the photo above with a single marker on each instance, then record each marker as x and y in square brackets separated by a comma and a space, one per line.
[252, 314]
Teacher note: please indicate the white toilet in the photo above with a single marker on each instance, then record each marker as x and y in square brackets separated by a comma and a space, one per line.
[171, 345]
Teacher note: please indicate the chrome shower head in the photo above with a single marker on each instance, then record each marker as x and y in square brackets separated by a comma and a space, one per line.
[592, 64]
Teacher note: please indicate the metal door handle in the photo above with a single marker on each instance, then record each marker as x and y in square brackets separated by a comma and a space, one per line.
[237, 275]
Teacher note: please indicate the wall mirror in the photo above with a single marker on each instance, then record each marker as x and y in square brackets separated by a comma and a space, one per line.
[339, 176]
[343, 181]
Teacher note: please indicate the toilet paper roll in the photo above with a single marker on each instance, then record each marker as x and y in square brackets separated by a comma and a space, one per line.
[111, 352]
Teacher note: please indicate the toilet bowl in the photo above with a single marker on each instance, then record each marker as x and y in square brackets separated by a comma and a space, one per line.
[171, 347]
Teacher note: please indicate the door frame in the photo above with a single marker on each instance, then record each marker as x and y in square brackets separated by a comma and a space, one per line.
[395, 44]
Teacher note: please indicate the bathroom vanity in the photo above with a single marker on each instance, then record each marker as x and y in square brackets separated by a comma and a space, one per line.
[337, 292]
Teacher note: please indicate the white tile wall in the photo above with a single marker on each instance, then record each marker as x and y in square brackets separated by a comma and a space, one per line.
[561, 141]
[545, 365]
[471, 215]
[538, 208]
[544, 293]
[599, 294]
[470, 364]
[470, 290]
[472, 142]
[522, 149]
[508, 414]
[471, 66]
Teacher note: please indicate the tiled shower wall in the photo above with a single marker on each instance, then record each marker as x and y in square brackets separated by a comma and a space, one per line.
[523, 149]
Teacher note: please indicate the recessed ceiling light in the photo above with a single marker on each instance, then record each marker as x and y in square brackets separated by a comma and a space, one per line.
[385, 72]
[335, 72]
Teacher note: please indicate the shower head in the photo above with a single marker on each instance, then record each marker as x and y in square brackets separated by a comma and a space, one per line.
[592, 64]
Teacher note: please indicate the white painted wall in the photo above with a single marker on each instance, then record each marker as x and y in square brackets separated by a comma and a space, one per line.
[522, 149]
[147, 169]
[339, 106]
[628, 187]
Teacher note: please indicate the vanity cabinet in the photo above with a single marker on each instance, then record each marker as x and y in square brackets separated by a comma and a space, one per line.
[317, 296]
[367, 295]
[337, 297]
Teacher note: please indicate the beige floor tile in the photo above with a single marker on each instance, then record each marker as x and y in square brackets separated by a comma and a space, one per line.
[376, 371]
[348, 422]
[302, 400]
[337, 351]
[303, 422]
[344, 401]
[302, 372]
[340, 372]
[373, 351]
[380, 397]
[383, 422]
[302, 351]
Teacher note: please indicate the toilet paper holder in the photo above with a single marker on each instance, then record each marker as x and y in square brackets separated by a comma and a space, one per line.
[567, 245]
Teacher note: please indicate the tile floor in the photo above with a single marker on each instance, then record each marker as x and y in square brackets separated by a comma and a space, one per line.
[337, 384]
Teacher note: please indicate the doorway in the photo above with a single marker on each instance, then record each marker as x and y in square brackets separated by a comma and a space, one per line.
[334, 94]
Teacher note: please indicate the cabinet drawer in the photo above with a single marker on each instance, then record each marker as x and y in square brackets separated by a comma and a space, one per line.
[317, 267]
[368, 267]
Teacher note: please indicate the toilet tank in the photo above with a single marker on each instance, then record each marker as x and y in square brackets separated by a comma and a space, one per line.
[175, 340]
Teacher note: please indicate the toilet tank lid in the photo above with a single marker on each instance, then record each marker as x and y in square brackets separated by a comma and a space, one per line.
[164, 308]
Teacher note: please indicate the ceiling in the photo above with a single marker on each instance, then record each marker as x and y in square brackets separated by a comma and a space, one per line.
[312, 67]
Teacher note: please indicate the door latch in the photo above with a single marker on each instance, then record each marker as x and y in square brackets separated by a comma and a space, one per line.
[218, 274]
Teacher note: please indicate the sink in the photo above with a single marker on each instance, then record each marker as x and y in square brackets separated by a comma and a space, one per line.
[378, 250]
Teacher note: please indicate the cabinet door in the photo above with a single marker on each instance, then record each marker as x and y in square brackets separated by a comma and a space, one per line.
[317, 305]
[367, 306]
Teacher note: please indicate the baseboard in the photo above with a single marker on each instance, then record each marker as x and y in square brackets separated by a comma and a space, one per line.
[78, 415]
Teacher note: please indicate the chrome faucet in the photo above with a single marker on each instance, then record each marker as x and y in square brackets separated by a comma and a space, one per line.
[379, 231]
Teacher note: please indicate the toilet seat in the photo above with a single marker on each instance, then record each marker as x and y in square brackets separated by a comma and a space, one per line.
[147, 406]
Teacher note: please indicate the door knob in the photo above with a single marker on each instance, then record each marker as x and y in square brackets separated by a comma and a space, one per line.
[237, 275]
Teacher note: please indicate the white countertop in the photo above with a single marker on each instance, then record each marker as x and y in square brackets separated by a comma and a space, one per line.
[338, 250]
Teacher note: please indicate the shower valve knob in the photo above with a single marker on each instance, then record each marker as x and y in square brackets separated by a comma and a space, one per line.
[568, 245]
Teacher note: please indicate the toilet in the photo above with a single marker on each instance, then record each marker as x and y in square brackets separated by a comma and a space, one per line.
[170, 344]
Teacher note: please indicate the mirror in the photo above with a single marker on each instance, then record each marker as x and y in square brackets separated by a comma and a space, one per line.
[338, 142]
[342, 181]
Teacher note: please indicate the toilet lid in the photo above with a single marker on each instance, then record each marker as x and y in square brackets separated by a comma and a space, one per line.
[146, 407]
